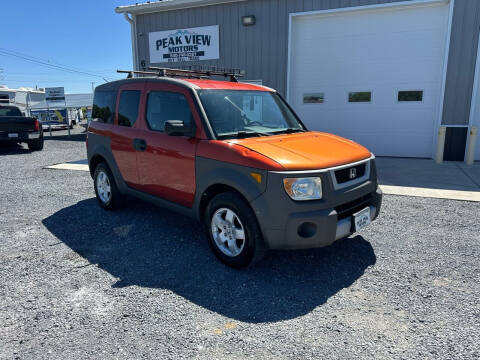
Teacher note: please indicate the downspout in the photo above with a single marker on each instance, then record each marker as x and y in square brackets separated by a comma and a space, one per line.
[133, 30]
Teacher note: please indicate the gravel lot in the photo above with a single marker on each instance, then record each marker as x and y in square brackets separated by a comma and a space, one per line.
[78, 282]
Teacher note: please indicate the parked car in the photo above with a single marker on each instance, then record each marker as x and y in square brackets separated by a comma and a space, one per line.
[234, 156]
[16, 128]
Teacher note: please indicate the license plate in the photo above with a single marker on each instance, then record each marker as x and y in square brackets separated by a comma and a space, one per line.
[361, 219]
[13, 135]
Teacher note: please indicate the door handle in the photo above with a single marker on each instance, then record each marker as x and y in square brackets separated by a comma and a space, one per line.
[139, 144]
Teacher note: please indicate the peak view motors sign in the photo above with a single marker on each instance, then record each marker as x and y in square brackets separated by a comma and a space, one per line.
[180, 45]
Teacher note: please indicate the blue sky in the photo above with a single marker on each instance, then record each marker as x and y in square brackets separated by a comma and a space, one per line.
[85, 35]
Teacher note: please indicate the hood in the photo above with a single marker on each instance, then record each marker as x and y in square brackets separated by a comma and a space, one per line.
[306, 151]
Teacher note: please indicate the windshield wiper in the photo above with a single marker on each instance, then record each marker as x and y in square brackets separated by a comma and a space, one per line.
[244, 134]
[290, 131]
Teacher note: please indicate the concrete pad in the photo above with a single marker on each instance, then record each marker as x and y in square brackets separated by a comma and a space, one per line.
[79, 165]
[425, 173]
[431, 193]
[68, 166]
[472, 171]
[83, 162]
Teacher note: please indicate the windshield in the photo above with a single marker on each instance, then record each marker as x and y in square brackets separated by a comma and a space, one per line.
[240, 113]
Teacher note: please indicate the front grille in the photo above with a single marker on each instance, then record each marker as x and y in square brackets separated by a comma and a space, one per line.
[350, 208]
[350, 173]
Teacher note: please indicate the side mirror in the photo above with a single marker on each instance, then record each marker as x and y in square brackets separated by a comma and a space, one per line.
[178, 128]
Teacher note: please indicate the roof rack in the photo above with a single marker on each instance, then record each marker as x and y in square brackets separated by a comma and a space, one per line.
[190, 72]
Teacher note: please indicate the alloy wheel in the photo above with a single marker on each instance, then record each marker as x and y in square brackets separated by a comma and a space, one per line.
[103, 187]
[228, 232]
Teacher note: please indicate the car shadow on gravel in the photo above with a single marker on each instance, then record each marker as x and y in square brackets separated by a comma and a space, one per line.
[13, 149]
[150, 247]
[74, 137]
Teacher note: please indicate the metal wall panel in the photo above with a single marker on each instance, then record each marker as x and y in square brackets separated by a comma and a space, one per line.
[261, 50]
[461, 62]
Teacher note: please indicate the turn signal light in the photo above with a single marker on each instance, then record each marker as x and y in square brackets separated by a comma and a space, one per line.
[257, 177]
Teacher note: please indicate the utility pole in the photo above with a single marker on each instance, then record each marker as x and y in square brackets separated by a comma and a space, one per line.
[93, 87]
[28, 103]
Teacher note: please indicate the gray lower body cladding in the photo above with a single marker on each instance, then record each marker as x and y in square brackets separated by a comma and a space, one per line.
[289, 224]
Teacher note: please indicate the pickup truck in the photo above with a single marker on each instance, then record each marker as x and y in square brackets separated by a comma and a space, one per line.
[234, 156]
[16, 128]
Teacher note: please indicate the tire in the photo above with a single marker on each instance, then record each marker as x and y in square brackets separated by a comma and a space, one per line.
[225, 233]
[106, 189]
[36, 145]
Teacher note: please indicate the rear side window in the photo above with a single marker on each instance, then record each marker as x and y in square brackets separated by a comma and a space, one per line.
[128, 107]
[163, 106]
[9, 111]
[104, 106]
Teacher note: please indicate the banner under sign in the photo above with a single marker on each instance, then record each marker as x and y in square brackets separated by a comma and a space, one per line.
[51, 117]
[180, 45]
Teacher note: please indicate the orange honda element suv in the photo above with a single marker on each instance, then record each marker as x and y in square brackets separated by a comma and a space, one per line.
[232, 155]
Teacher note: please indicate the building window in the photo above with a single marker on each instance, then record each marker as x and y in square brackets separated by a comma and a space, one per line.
[360, 96]
[411, 95]
[313, 98]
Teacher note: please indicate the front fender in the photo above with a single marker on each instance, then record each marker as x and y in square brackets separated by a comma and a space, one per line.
[209, 172]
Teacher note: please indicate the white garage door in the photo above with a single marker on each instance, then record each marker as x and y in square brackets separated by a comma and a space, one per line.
[373, 76]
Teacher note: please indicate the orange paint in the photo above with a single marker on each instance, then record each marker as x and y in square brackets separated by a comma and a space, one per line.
[305, 151]
[224, 151]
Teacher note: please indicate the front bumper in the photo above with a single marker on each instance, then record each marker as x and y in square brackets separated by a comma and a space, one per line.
[289, 224]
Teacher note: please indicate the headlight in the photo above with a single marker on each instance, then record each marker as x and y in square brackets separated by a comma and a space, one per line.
[303, 188]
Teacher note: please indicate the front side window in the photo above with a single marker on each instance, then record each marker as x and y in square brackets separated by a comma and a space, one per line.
[165, 105]
[104, 106]
[128, 107]
[234, 113]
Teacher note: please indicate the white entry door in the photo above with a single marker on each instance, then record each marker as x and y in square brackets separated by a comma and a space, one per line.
[373, 76]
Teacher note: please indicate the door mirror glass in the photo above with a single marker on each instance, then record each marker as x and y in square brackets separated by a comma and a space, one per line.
[177, 128]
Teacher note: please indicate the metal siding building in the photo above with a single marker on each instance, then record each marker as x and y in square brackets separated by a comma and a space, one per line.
[262, 50]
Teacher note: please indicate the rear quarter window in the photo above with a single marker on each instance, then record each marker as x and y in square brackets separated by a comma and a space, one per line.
[9, 111]
[128, 107]
[104, 106]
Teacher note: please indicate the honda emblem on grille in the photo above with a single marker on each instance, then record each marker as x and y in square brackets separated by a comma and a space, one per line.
[353, 173]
